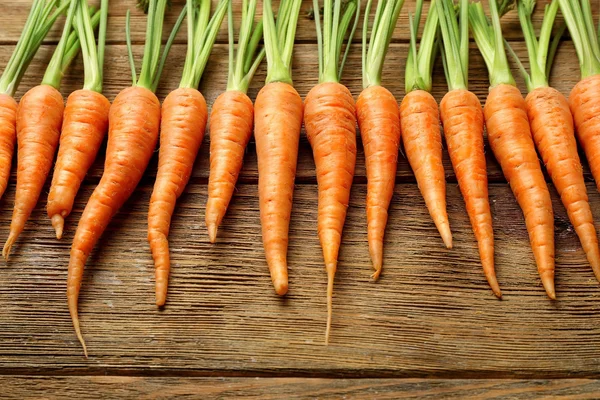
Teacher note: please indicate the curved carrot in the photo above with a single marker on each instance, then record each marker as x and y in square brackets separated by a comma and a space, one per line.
[422, 141]
[231, 121]
[552, 128]
[278, 120]
[39, 118]
[8, 136]
[132, 136]
[183, 122]
[585, 108]
[84, 126]
[462, 117]
[510, 139]
[379, 122]
[330, 122]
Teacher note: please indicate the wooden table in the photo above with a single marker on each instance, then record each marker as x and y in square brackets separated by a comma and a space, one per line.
[429, 328]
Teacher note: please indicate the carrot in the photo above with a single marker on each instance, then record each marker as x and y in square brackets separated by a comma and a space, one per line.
[232, 118]
[462, 118]
[8, 132]
[85, 122]
[134, 121]
[330, 122]
[379, 122]
[552, 127]
[277, 124]
[39, 120]
[509, 134]
[419, 117]
[184, 116]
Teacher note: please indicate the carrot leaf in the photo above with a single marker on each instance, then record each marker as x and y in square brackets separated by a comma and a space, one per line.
[337, 16]
[419, 64]
[84, 28]
[455, 39]
[373, 55]
[279, 39]
[129, 49]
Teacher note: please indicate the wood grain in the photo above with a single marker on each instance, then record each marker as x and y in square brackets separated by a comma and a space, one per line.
[140, 388]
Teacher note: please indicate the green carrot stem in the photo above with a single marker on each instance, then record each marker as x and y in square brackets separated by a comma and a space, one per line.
[419, 64]
[54, 72]
[279, 39]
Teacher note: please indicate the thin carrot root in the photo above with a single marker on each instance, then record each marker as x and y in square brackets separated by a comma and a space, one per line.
[422, 139]
[379, 121]
[231, 122]
[183, 122]
[462, 117]
[331, 268]
[511, 141]
[8, 136]
[83, 130]
[278, 120]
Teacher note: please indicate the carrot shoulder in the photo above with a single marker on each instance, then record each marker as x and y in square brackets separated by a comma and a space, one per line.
[510, 139]
[278, 120]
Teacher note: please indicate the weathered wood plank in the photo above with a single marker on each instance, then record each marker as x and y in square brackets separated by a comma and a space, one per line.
[431, 314]
[13, 18]
[88, 387]
[305, 75]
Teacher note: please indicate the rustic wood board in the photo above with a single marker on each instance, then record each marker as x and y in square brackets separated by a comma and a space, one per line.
[431, 327]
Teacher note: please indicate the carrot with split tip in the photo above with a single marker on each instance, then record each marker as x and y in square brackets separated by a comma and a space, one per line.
[330, 122]
[379, 122]
[39, 21]
[232, 117]
[184, 116]
[277, 124]
[462, 118]
[39, 119]
[134, 121]
[85, 121]
[509, 134]
[419, 117]
[552, 127]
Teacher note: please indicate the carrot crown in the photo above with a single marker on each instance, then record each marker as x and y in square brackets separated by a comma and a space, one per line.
[419, 64]
[541, 51]
[489, 40]
[202, 33]
[244, 62]
[93, 56]
[578, 16]
[279, 39]
[41, 18]
[152, 62]
[373, 53]
[455, 36]
[336, 22]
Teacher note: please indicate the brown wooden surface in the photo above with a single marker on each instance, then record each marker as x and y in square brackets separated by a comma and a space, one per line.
[431, 316]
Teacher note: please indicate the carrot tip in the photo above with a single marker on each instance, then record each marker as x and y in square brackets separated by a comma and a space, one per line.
[212, 232]
[330, 276]
[58, 223]
[281, 285]
[375, 275]
[548, 283]
[8, 245]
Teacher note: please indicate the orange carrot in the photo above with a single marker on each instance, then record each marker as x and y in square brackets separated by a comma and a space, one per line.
[278, 120]
[183, 122]
[232, 117]
[231, 122]
[378, 118]
[8, 135]
[184, 116]
[277, 123]
[134, 120]
[85, 123]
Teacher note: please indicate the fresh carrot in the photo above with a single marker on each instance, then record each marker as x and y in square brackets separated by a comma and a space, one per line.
[184, 116]
[379, 122]
[552, 127]
[85, 121]
[330, 122]
[39, 22]
[134, 121]
[39, 119]
[462, 117]
[509, 135]
[585, 95]
[277, 124]
[232, 117]
[420, 122]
